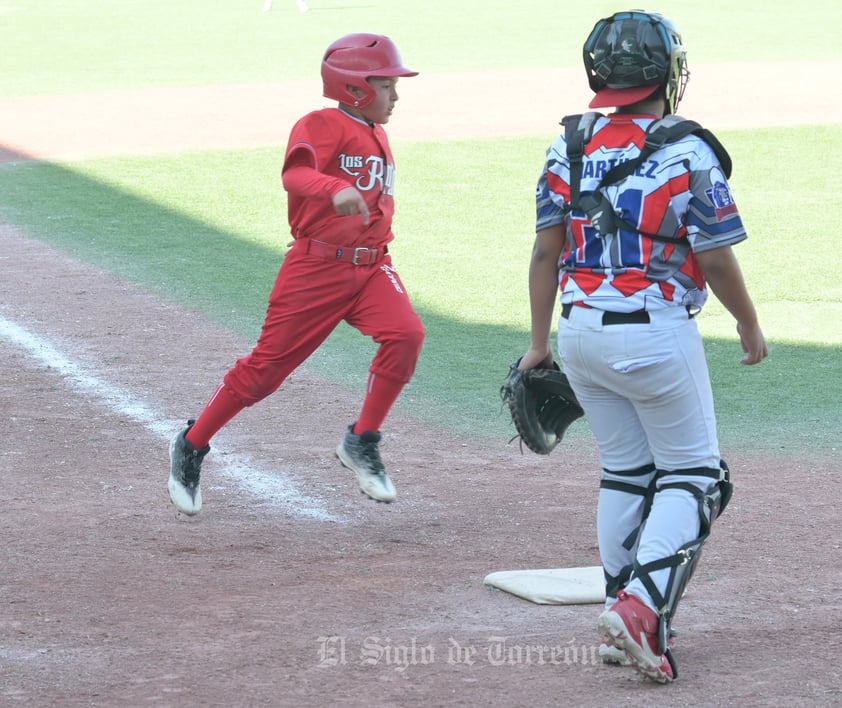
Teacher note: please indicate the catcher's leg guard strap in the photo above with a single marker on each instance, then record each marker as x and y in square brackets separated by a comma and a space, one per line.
[638, 482]
[615, 583]
[646, 492]
[683, 563]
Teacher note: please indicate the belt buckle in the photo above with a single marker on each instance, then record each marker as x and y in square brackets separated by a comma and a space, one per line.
[355, 260]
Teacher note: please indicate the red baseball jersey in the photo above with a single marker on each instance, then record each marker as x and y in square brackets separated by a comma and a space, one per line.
[344, 151]
[680, 193]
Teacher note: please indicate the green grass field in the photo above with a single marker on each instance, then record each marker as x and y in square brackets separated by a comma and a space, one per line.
[61, 46]
[202, 228]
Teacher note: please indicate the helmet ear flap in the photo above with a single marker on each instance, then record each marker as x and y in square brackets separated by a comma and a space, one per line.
[358, 96]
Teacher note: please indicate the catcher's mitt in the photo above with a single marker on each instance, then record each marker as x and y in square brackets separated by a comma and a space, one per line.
[542, 404]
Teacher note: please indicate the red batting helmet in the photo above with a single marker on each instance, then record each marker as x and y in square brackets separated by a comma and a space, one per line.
[352, 59]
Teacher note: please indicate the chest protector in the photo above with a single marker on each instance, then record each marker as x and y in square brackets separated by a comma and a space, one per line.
[578, 130]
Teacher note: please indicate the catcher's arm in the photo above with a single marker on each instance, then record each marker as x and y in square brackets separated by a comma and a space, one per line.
[725, 278]
[543, 293]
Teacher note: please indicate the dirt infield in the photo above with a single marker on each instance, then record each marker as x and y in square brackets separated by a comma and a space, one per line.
[291, 589]
[436, 105]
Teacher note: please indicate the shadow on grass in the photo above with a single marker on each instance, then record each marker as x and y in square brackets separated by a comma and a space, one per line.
[787, 404]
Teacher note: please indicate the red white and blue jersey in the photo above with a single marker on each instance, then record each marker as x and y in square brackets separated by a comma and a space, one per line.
[345, 151]
[680, 193]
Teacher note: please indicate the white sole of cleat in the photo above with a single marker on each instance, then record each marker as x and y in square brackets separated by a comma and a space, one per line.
[615, 633]
[386, 496]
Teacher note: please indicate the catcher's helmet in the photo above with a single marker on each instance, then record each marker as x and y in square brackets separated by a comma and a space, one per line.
[352, 59]
[630, 55]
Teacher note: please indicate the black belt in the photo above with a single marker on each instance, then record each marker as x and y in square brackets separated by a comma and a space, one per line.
[613, 318]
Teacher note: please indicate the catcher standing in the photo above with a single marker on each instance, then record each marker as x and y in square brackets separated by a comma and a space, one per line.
[633, 251]
[340, 176]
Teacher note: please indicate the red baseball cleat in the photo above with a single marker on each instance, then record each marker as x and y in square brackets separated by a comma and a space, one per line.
[631, 626]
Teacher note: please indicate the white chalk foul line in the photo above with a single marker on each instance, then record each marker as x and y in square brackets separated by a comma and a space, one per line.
[266, 487]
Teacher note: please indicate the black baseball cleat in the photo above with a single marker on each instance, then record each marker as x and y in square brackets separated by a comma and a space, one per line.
[185, 468]
[361, 454]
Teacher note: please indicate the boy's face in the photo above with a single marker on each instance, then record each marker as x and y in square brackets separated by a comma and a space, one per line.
[385, 96]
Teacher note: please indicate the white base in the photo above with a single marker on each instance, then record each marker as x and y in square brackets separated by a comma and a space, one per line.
[556, 586]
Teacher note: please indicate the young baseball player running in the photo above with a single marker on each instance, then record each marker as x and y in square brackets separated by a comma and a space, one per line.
[635, 221]
[340, 177]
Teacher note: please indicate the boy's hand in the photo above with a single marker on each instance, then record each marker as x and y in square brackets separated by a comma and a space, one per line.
[349, 201]
[753, 343]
